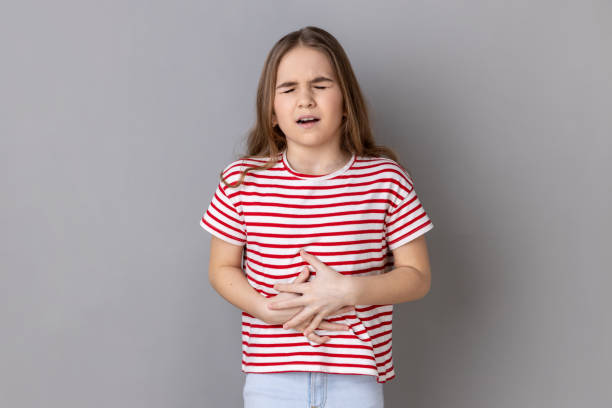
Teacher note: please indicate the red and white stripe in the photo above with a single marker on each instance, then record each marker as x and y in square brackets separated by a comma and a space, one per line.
[351, 222]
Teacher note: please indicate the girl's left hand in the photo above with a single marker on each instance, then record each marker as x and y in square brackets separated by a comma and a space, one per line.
[322, 296]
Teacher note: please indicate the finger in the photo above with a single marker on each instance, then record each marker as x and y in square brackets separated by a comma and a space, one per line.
[301, 318]
[315, 323]
[345, 309]
[317, 339]
[302, 276]
[325, 325]
[301, 326]
[290, 287]
[287, 304]
[311, 259]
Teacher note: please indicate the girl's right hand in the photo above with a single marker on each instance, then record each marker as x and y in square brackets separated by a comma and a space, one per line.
[281, 316]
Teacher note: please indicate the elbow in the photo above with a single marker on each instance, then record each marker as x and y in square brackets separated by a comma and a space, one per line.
[425, 284]
[419, 285]
[426, 288]
[212, 277]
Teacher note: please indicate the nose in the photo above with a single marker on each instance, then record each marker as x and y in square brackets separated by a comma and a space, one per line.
[305, 98]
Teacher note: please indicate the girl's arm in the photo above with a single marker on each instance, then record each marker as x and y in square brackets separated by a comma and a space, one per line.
[409, 280]
[226, 277]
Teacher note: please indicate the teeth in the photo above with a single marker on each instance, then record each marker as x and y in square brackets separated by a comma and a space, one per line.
[307, 120]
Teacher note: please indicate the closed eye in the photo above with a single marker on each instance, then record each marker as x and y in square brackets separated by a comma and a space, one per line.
[318, 87]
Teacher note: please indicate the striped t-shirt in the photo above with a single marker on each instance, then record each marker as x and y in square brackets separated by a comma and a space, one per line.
[350, 219]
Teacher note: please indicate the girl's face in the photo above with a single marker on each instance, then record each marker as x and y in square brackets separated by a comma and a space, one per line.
[306, 85]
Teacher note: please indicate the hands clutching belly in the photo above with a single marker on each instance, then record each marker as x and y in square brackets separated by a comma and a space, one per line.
[303, 305]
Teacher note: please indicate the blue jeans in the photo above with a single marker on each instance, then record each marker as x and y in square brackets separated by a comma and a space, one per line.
[311, 390]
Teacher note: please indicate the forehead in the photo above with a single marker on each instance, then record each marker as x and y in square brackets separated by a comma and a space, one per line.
[303, 63]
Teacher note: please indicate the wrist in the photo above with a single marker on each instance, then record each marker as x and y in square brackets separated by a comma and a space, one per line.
[349, 290]
[261, 308]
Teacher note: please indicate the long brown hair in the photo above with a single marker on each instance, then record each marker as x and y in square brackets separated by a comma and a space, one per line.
[266, 141]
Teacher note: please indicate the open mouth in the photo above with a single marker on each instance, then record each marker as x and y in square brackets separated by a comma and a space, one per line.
[307, 120]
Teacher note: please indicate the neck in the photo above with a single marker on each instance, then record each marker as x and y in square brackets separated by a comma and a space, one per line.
[316, 161]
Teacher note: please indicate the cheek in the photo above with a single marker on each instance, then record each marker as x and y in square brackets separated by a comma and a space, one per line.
[335, 101]
[281, 110]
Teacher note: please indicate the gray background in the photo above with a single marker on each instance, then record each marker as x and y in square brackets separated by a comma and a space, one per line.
[116, 118]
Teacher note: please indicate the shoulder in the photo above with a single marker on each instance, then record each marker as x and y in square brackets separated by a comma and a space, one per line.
[390, 171]
[233, 170]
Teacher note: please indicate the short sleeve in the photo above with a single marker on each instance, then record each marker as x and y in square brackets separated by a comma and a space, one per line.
[222, 218]
[406, 221]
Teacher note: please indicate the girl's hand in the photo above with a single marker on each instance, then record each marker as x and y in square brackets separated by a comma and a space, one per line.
[325, 325]
[324, 296]
[281, 316]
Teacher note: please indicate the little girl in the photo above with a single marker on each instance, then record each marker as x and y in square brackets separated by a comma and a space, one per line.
[316, 233]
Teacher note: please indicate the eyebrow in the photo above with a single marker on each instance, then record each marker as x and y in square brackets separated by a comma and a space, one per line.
[314, 81]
